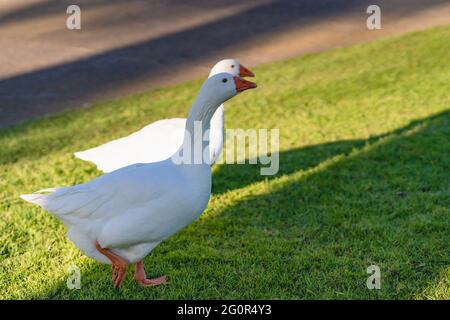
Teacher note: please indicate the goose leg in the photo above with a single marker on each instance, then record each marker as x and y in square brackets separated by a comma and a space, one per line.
[119, 265]
[141, 278]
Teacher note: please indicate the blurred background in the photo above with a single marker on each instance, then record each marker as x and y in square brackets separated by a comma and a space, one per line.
[129, 46]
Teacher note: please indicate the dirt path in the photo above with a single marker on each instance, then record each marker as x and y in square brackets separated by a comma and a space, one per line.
[127, 46]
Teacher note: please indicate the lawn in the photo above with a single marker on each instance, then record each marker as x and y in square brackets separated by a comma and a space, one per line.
[364, 179]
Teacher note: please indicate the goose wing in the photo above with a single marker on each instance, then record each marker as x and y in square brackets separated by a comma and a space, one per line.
[155, 142]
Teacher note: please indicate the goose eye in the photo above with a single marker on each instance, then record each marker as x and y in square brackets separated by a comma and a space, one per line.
[224, 80]
[232, 66]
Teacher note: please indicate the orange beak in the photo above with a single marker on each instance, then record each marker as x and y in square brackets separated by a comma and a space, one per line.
[242, 85]
[244, 72]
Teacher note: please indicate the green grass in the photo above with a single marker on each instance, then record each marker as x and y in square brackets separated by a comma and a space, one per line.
[364, 179]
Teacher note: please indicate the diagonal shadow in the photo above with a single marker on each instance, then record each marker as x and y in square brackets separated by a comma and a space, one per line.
[235, 176]
[106, 74]
[314, 236]
[75, 83]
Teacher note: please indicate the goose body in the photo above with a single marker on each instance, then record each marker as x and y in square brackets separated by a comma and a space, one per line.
[130, 210]
[159, 140]
[121, 216]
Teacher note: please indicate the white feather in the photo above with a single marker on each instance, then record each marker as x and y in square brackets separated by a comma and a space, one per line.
[158, 140]
[131, 210]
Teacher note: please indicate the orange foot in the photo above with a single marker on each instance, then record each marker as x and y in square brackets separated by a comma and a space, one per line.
[141, 278]
[119, 265]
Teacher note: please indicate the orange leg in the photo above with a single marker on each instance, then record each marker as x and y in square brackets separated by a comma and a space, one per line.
[141, 278]
[119, 265]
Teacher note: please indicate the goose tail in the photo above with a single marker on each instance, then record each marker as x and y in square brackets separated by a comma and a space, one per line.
[39, 197]
[83, 155]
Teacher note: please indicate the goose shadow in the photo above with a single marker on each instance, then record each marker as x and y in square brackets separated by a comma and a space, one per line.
[314, 235]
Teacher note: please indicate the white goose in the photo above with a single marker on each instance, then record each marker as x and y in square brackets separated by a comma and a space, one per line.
[120, 217]
[159, 140]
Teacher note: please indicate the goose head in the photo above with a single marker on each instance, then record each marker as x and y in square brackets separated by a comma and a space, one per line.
[231, 66]
[213, 93]
[222, 87]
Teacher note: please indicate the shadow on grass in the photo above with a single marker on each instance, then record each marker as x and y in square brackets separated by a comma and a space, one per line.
[234, 176]
[313, 236]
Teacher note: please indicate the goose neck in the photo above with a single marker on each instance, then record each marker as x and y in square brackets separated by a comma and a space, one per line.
[195, 148]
